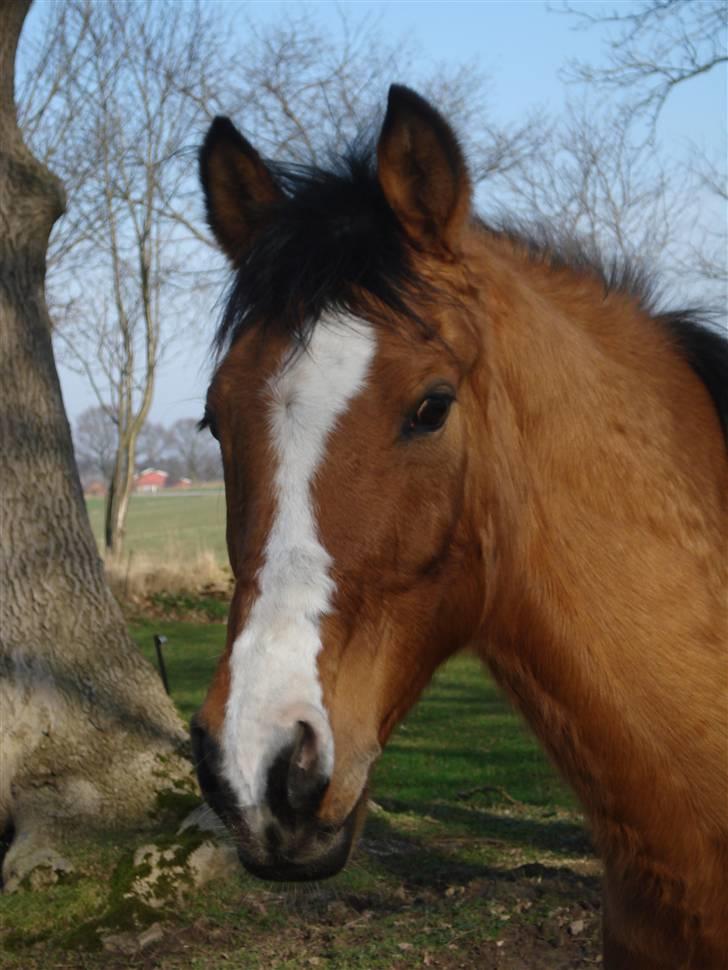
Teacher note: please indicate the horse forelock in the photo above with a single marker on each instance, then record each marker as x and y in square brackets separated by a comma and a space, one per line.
[330, 243]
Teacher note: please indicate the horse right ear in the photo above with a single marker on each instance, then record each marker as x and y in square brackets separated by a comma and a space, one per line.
[238, 188]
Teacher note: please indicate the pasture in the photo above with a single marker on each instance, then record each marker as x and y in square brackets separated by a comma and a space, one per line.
[473, 856]
[169, 525]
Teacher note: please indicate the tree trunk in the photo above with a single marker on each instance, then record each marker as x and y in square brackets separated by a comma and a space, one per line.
[117, 502]
[121, 482]
[87, 730]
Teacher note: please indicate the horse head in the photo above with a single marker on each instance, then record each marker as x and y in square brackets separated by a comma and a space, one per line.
[342, 401]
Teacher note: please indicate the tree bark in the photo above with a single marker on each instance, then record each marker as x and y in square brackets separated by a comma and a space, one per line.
[87, 732]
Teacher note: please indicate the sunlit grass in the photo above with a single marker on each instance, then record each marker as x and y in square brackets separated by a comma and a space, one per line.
[462, 735]
[167, 526]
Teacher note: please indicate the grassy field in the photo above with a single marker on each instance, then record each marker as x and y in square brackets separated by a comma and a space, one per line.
[462, 735]
[473, 856]
[169, 524]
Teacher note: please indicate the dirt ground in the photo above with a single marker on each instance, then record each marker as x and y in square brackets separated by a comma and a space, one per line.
[531, 917]
[546, 919]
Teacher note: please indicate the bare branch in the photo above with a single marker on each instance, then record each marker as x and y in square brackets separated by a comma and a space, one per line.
[652, 48]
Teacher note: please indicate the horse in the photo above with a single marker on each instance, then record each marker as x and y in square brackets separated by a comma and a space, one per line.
[438, 432]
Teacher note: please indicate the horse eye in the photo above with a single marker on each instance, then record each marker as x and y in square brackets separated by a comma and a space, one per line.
[430, 414]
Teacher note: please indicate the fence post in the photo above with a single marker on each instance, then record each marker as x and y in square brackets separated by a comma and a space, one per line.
[159, 641]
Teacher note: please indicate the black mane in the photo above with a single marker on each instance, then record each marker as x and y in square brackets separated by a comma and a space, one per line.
[334, 236]
[542, 243]
[706, 350]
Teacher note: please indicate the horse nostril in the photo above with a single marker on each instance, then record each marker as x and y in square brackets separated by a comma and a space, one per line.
[306, 781]
[297, 779]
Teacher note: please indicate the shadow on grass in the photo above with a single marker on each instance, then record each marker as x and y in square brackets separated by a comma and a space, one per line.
[558, 835]
[425, 865]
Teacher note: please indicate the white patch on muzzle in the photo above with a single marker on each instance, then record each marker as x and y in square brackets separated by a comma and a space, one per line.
[274, 675]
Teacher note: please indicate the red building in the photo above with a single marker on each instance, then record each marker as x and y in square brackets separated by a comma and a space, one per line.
[150, 480]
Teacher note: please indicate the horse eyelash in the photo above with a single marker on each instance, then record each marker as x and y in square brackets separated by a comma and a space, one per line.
[208, 421]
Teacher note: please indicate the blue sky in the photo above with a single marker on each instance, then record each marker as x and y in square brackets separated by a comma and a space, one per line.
[523, 46]
[520, 44]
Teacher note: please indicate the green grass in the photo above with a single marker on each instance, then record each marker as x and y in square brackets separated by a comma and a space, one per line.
[164, 525]
[473, 844]
[190, 656]
[462, 735]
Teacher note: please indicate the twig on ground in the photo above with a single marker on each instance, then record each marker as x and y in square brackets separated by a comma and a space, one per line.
[482, 789]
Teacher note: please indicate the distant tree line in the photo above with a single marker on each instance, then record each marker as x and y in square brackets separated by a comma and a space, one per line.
[178, 449]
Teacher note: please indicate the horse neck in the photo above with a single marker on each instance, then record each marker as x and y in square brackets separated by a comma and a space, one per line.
[604, 480]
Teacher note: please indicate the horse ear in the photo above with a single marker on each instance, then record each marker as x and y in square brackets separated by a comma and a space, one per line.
[422, 171]
[237, 185]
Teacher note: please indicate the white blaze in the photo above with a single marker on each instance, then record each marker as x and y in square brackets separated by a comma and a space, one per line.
[274, 675]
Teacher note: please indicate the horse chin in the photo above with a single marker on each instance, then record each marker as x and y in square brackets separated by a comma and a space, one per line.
[316, 851]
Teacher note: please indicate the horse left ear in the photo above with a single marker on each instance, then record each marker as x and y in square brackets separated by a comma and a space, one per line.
[422, 172]
[238, 187]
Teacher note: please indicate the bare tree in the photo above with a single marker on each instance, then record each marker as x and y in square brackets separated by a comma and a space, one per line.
[123, 85]
[94, 443]
[301, 91]
[653, 48]
[192, 455]
[180, 450]
[88, 733]
[600, 187]
[153, 446]
[709, 253]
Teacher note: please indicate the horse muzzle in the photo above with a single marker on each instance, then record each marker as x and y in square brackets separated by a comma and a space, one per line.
[282, 839]
[305, 853]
